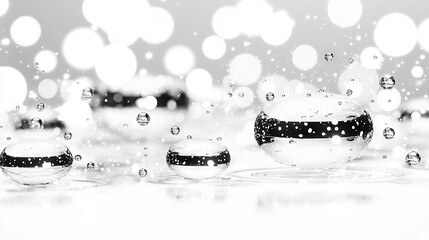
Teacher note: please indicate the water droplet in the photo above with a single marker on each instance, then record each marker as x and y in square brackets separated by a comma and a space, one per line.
[67, 135]
[87, 93]
[77, 157]
[329, 57]
[36, 161]
[143, 119]
[229, 94]
[384, 156]
[219, 138]
[189, 137]
[90, 166]
[270, 96]
[142, 172]
[40, 107]
[36, 123]
[175, 130]
[351, 60]
[388, 133]
[412, 159]
[198, 158]
[387, 82]
[8, 138]
[308, 95]
[241, 94]
[323, 140]
[349, 92]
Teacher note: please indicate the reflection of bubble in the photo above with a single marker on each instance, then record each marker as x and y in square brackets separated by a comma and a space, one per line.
[245, 69]
[214, 47]
[81, 48]
[47, 88]
[417, 71]
[388, 99]
[116, 65]
[395, 34]
[371, 58]
[159, 27]
[4, 6]
[278, 28]
[46, 60]
[225, 24]
[243, 97]
[198, 82]
[424, 35]
[304, 57]
[25, 31]
[367, 83]
[13, 88]
[344, 13]
[251, 15]
[179, 60]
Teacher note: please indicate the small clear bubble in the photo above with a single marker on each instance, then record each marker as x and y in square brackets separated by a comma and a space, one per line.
[351, 60]
[90, 166]
[36, 123]
[412, 159]
[67, 135]
[388, 133]
[189, 137]
[329, 57]
[384, 156]
[40, 107]
[87, 93]
[349, 92]
[219, 138]
[270, 97]
[143, 119]
[142, 172]
[387, 82]
[77, 157]
[175, 130]
[241, 94]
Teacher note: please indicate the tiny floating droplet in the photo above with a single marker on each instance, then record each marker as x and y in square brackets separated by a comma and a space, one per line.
[67, 135]
[175, 130]
[189, 137]
[412, 159]
[351, 60]
[329, 57]
[142, 172]
[219, 138]
[87, 93]
[387, 82]
[349, 92]
[270, 96]
[143, 119]
[77, 157]
[36, 123]
[40, 107]
[388, 133]
[90, 166]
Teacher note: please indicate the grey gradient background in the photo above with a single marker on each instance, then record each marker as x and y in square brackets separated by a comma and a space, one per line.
[58, 17]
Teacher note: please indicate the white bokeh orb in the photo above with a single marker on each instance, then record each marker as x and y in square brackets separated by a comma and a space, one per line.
[304, 57]
[179, 60]
[423, 32]
[344, 13]
[46, 61]
[245, 69]
[81, 48]
[417, 72]
[251, 15]
[371, 58]
[277, 28]
[225, 22]
[388, 99]
[214, 47]
[47, 88]
[159, 26]
[395, 34]
[198, 82]
[13, 88]
[25, 31]
[116, 65]
[4, 6]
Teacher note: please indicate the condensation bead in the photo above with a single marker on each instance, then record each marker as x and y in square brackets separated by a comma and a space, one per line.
[198, 158]
[313, 131]
[36, 161]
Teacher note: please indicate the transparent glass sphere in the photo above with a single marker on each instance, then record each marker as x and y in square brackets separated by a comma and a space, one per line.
[317, 130]
[198, 158]
[36, 161]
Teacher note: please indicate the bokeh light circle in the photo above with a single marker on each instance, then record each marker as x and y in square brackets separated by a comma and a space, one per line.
[4, 6]
[388, 99]
[159, 26]
[277, 28]
[371, 58]
[13, 88]
[179, 60]
[417, 72]
[395, 34]
[243, 97]
[25, 31]
[344, 13]
[46, 61]
[245, 69]
[116, 65]
[198, 82]
[251, 15]
[214, 47]
[225, 22]
[47, 88]
[81, 48]
[424, 34]
[304, 57]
